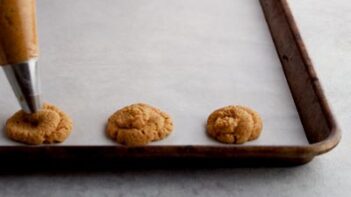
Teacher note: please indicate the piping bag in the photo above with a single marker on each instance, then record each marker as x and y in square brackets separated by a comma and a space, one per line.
[19, 51]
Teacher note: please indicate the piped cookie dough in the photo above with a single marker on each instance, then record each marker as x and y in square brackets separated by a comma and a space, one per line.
[49, 125]
[257, 123]
[234, 125]
[139, 124]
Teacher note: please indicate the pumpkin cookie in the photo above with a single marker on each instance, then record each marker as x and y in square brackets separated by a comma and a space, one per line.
[49, 125]
[234, 124]
[257, 128]
[138, 124]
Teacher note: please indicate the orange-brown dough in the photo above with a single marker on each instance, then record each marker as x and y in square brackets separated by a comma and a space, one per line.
[18, 31]
[234, 125]
[139, 124]
[49, 125]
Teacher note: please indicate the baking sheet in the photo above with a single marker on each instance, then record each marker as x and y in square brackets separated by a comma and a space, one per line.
[186, 57]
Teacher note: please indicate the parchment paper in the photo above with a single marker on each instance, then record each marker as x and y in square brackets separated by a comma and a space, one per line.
[186, 57]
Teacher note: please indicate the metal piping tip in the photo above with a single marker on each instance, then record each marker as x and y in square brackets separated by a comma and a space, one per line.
[25, 83]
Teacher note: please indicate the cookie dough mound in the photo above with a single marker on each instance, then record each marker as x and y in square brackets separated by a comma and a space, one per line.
[139, 124]
[258, 125]
[234, 125]
[49, 125]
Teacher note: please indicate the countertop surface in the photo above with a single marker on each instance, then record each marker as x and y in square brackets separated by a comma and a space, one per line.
[326, 28]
